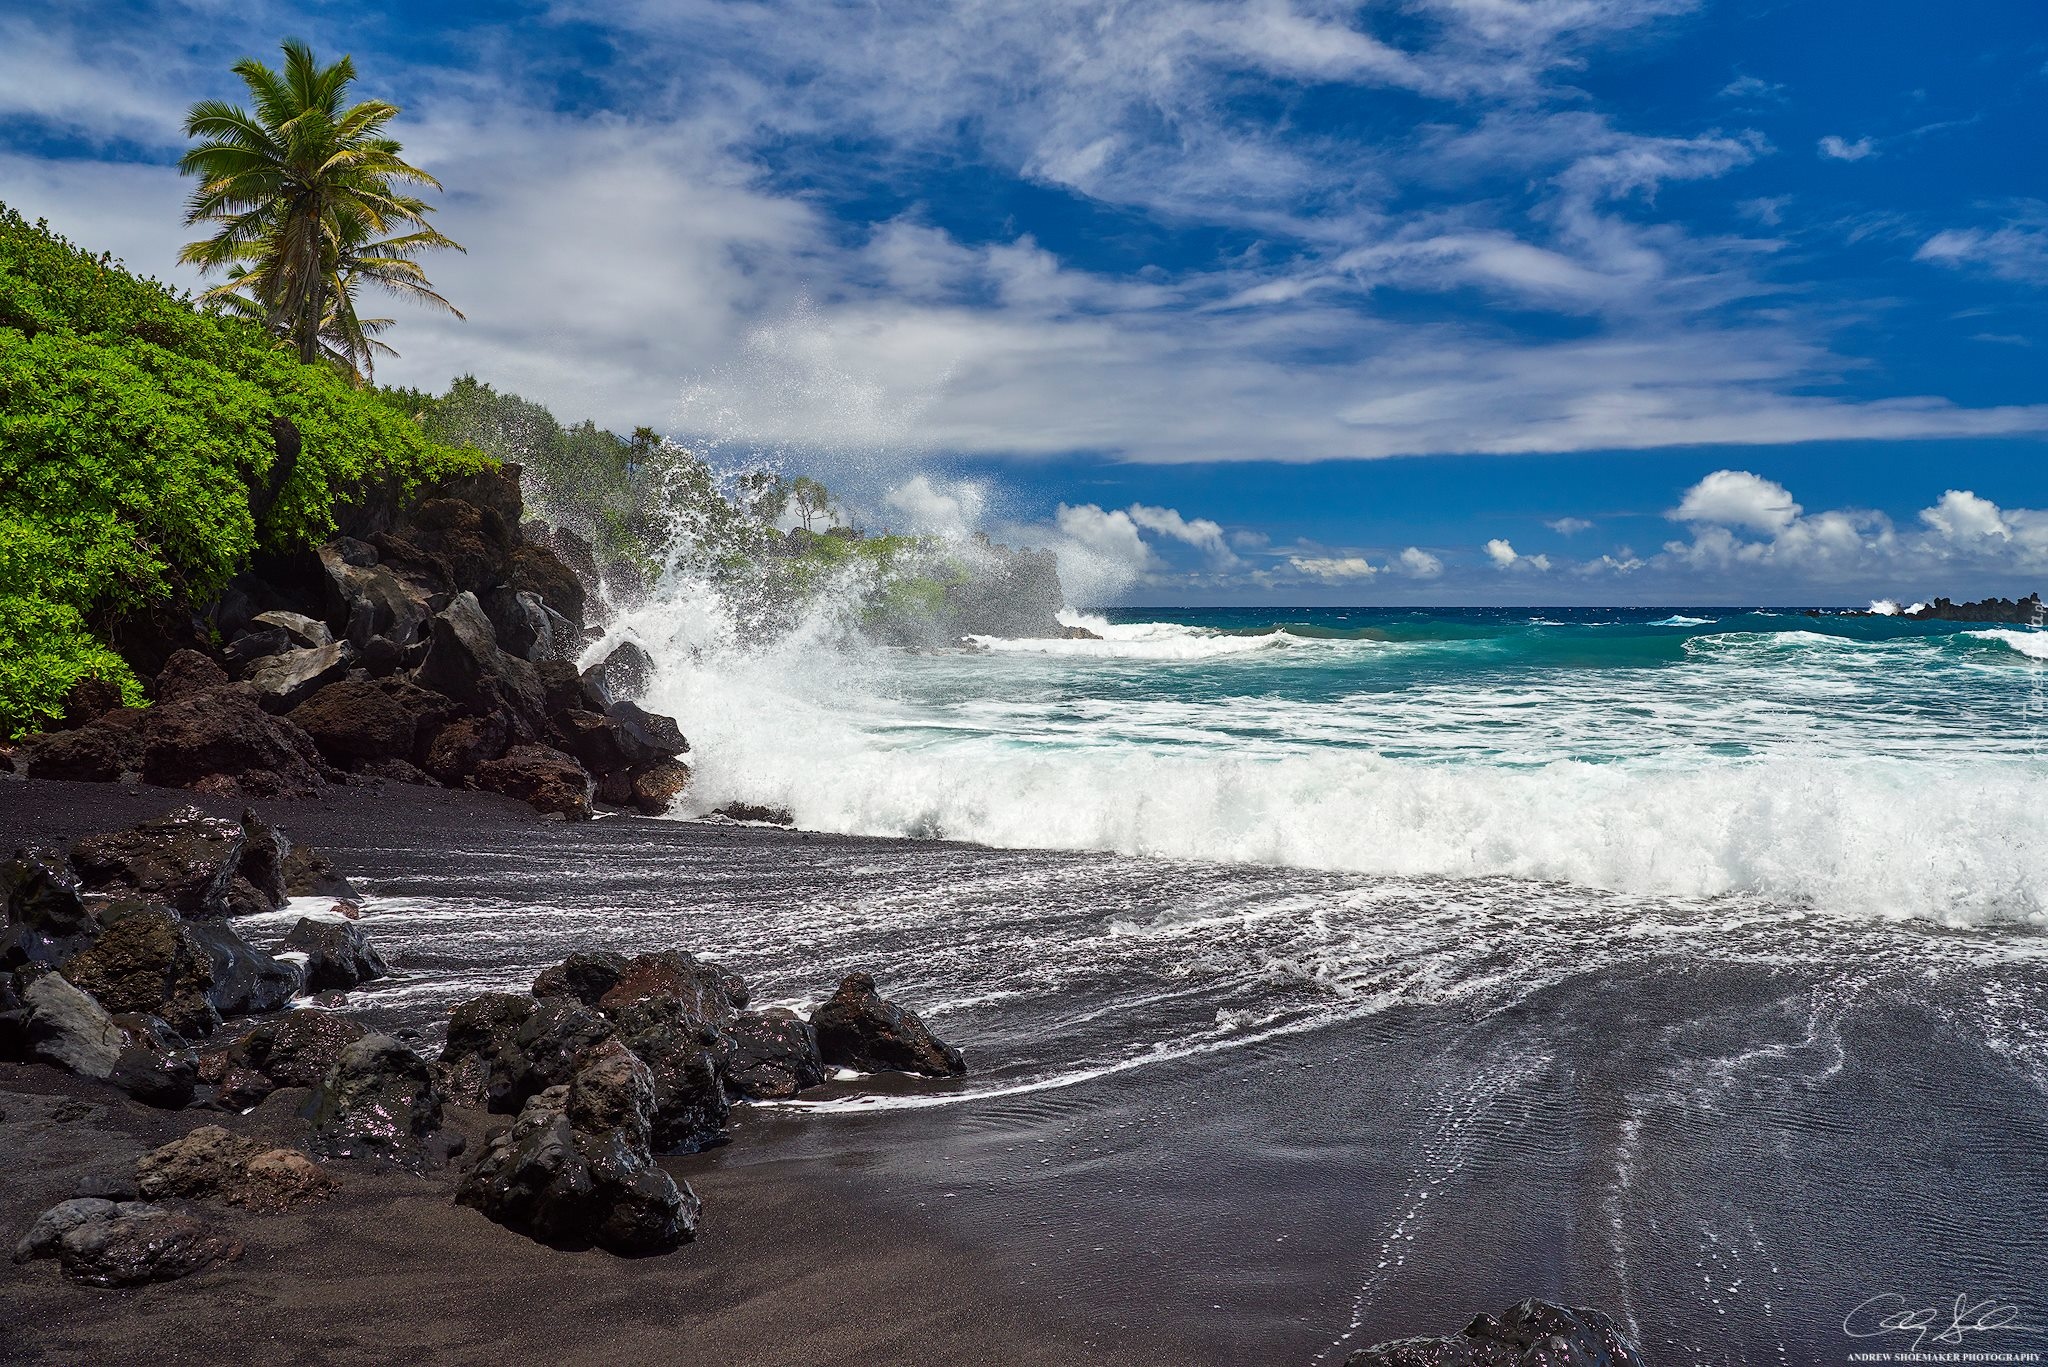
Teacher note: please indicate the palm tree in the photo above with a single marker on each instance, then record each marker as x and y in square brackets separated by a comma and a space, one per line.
[306, 195]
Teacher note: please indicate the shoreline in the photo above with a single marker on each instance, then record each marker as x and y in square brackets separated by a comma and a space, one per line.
[787, 1266]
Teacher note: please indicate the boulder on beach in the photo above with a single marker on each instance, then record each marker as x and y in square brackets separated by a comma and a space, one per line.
[575, 1169]
[378, 1100]
[185, 673]
[542, 777]
[355, 722]
[1533, 1333]
[297, 1049]
[503, 1049]
[47, 920]
[186, 860]
[221, 740]
[149, 961]
[771, 1055]
[155, 1066]
[135, 1245]
[211, 1162]
[67, 1029]
[858, 1028]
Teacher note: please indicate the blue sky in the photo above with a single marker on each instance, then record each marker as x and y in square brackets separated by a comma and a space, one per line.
[1426, 300]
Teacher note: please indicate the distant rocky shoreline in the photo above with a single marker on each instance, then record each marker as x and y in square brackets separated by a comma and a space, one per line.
[2026, 611]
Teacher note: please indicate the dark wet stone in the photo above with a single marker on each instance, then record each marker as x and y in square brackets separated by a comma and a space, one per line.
[186, 860]
[1533, 1333]
[150, 962]
[247, 981]
[461, 747]
[338, 953]
[297, 1049]
[771, 1055]
[574, 1170]
[586, 976]
[858, 1028]
[625, 672]
[308, 873]
[156, 1067]
[128, 1250]
[655, 788]
[503, 1049]
[47, 920]
[265, 853]
[379, 1100]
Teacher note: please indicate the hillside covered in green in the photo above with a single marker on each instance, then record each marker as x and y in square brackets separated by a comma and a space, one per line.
[148, 448]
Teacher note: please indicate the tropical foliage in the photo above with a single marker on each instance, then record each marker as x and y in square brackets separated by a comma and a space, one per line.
[308, 200]
[138, 463]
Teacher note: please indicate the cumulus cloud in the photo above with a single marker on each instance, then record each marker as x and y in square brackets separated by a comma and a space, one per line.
[1961, 516]
[1963, 532]
[1420, 563]
[1736, 498]
[1569, 526]
[667, 260]
[1199, 532]
[1504, 557]
[1834, 148]
[1334, 570]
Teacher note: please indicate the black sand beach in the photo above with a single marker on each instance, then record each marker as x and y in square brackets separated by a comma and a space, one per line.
[1217, 1115]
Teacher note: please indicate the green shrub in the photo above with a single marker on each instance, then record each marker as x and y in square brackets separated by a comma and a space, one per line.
[135, 434]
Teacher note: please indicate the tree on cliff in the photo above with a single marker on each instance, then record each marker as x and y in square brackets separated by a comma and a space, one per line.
[307, 199]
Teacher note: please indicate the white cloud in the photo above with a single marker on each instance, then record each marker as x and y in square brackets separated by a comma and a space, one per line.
[2016, 250]
[1199, 532]
[665, 261]
[1961, 516]
[1334, 570]
[1834, 148]
[1420, 563]
[1504, 557]
[1569, 526]
[1736, 498]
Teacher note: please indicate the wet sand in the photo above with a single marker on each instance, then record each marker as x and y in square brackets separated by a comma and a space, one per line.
[1219, 1114]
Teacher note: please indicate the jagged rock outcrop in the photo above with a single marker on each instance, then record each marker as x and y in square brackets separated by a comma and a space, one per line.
[429, 645]
[2024, 612]
[859, 1029]
[576, 1169]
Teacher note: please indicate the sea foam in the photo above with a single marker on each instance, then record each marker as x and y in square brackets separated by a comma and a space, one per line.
[1760, 764]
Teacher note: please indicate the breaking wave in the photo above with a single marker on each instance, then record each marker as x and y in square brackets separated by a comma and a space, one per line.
[1881, 779]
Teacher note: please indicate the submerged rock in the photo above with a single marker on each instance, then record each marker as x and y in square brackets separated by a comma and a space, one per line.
[858, 1028]
[1533, 1333]
[338, 953]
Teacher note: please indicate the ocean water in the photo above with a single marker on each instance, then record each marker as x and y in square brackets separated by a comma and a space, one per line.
[1328, 976]
[1860, 765]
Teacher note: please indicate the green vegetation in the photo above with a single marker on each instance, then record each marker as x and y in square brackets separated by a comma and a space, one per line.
[138, 461]
[306, 202]
[650, 503]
